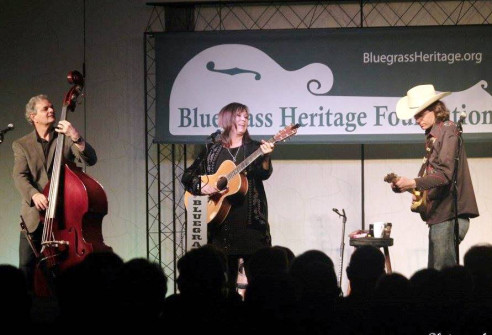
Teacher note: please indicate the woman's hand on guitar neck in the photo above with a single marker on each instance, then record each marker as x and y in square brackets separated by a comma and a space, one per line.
[266, 147]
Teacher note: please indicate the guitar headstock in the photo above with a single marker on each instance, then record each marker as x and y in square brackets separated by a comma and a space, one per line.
[391, 177]
[287, 132]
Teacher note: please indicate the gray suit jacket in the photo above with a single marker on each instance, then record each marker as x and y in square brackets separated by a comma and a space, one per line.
[30, 171]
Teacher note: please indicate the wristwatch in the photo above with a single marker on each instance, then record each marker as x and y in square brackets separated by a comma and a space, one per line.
[79, 140]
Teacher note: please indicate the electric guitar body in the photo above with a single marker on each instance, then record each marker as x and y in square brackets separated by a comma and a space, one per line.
[419, 204]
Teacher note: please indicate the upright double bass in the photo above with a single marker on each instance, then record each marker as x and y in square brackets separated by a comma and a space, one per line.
[77, 204]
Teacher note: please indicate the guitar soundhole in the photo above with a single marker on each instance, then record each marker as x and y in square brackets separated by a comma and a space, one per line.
[222, 183]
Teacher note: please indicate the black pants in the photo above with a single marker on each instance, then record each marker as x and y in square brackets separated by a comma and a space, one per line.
[27, 259]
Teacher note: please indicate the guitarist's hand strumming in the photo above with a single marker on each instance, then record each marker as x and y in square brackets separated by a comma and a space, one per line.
[208, 189]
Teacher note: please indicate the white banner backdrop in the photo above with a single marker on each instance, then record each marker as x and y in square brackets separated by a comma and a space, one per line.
[347, 96]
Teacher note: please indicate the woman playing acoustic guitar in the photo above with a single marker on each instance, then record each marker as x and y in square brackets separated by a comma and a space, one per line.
[244, 228]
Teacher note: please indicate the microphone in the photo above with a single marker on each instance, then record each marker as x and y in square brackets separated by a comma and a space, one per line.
[9, 128]
[462, 117]
[3, 131]
[214, 135]
[459, 124]
[340, 214]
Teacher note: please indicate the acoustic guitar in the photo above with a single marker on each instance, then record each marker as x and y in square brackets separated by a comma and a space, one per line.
[231, 183]
[419, 205]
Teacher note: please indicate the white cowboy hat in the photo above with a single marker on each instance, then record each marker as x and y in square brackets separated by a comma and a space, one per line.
[418, 98]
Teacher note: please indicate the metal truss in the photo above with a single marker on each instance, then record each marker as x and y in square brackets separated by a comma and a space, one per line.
[165, 163]
[165, 222]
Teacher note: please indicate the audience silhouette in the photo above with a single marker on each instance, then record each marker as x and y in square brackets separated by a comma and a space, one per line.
[15, 296]
[365, 267]
[141, 287]
[478, 261]
[88, 289]
[284, 293]
[317, 291]
[391, 306]
[427, 291]
[267, 261]
[203, 301]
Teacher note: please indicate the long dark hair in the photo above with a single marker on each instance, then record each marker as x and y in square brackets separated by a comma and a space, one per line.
[440, 110]
[227, 120]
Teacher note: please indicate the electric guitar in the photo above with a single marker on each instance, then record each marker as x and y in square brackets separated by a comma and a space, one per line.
[419, 205]
[231, 182]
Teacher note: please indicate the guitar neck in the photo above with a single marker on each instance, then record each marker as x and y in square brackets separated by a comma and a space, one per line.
[245, 163]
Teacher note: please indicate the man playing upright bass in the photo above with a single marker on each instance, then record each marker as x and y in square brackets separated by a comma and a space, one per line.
[33, 160]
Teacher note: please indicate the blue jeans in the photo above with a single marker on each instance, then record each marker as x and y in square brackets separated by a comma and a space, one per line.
[442, 252]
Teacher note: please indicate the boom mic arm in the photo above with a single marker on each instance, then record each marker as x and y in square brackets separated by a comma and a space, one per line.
[340, 214]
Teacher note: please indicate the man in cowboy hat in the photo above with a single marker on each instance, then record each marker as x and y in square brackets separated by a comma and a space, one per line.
[435, 178]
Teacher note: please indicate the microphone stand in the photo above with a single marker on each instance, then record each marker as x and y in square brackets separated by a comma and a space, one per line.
[455, 191]
[342, 247]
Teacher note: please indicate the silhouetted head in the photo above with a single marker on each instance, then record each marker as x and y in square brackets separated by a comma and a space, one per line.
[203, 271]
[266, 262]
[478, 260]
[142, 286]
[311, 256]
[457, 284]
[393, 288]
[365, 267]
[290, 254]
[314, 276]
[426, 285]
[93, 279]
